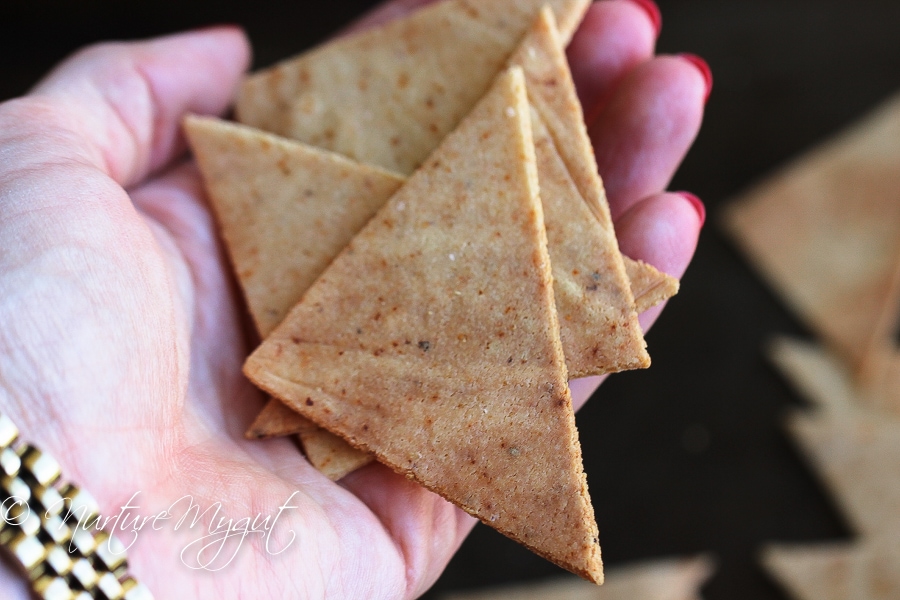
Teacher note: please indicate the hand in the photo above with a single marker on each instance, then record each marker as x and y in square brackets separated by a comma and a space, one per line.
[122, 336]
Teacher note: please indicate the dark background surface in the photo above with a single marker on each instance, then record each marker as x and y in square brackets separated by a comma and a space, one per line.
[689, 456]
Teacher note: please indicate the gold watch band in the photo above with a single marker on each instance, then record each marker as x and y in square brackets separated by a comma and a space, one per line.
[39, 526]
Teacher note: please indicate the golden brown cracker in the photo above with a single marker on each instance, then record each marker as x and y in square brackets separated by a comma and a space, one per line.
[388, 96]
[599, 327]
[276, 419]
[814, 373]
[600, 330]
[432, 341]
[673, 579]
[821, 572]
[649, 286]
[281, 227]
[857, 453]
[330, 454]
[826, 233]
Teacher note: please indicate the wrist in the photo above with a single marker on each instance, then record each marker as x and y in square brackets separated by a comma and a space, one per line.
[50, 528]
[13, 584]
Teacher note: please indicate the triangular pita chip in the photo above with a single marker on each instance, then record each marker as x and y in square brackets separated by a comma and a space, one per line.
[676, 579]
[551, 92]
[278, 420]
[826, 233]
[862, 571]
[328, 453]
[821, 572]
[335, 458]
[858, 454]
[598, 323]
[432, 341]
[649, 286]
[879, 378]
[388, 96]
[286, 209]
[816, 375]
[546, 70]
[856, 449]
[598, 328]
[281, 227]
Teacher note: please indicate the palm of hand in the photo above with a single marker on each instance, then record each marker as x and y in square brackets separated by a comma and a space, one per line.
[149, 397]
[123, 337]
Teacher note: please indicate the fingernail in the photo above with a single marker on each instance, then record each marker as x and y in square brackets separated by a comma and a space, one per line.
[652, 11]
[704, 69]
[697, 203]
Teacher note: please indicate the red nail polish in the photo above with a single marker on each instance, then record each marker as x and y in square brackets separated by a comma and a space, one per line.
[704, 69]
[652, 11]
[697, 204]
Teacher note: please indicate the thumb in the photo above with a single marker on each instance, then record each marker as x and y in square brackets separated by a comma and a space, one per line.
[123, 102]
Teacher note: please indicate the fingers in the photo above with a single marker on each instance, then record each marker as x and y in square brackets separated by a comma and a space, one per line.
[583, 389]
[615, 37]
[126, 100]
[647, 127]
[662, 230]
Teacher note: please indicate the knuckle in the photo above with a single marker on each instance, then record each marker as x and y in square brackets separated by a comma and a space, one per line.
[100, 52]
[32, 118]
[35, 131]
